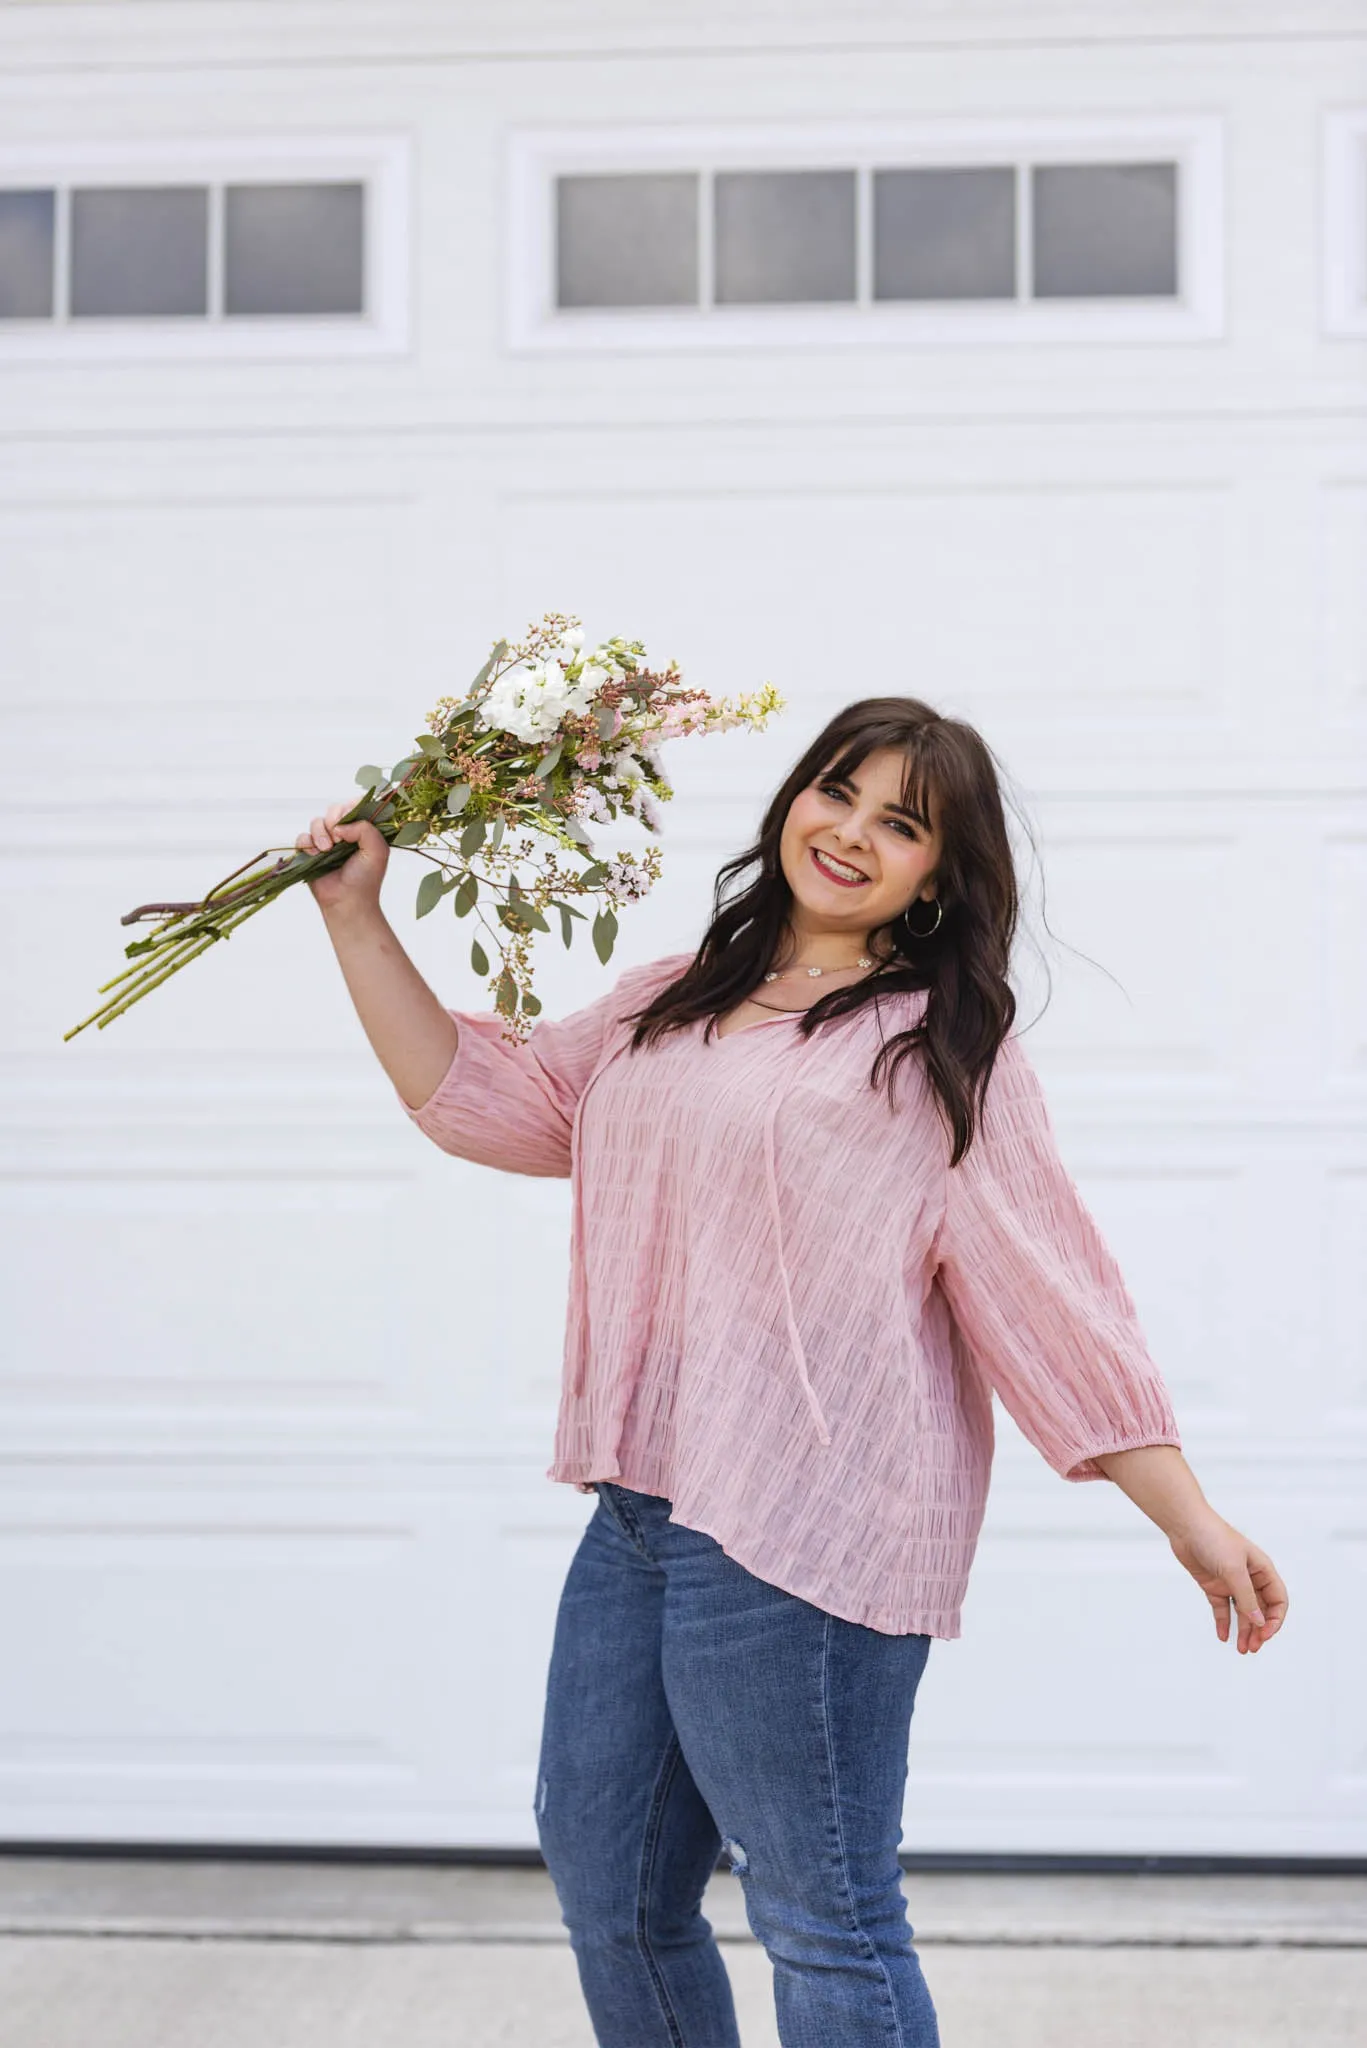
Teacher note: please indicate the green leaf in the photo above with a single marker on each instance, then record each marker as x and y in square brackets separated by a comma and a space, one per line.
[411, 833]
[479, 959]
[505, 994]
[429, 743]
[593, 875]
[458, 796]
[577, 832]
[604, 932]
[531, 1004]
[466, 895]
[500, 649]
[496, 835]
[548, 760]
[566, 923]
[429, 892]
[607, 719]
[472, 838]
[370, 778]
[401, 768]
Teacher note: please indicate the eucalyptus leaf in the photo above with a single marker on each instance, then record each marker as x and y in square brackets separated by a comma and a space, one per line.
[429, 743]
[591, 876]
[531, 1004]
[370, 778]
[479, 959]
[497, 834]
[604, 932]
[548, 760]
[472, 838]
[577, 833]
[566, 924]
[607, 719]
[505, 993]
[458, 796]
[429, 892]
[466, 894]
[411, 833]
[500, 649]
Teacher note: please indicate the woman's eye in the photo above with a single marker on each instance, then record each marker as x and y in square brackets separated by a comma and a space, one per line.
[834, 789]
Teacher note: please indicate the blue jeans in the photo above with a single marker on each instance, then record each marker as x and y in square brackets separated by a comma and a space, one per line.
[690, 1705]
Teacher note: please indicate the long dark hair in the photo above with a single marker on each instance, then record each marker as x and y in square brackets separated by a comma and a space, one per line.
[962, 964]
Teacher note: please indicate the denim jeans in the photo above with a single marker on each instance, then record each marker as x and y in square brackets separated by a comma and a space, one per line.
[689, 1707]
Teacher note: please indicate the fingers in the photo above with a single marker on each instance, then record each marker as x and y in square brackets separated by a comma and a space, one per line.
[325, 830]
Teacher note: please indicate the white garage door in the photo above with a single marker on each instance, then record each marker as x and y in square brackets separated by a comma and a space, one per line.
[279, 1563]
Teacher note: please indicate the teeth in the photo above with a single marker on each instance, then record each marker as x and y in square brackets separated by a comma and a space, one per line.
[838, 866]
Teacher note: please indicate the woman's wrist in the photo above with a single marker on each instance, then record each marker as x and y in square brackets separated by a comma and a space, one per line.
[1161, 1483]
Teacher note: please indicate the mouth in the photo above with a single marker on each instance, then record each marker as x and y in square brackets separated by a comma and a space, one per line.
[843, 880]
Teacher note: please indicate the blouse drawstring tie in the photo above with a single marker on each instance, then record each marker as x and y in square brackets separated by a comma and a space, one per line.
[771, 1178]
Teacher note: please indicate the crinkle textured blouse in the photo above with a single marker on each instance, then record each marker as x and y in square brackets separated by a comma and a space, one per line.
[787, 1315]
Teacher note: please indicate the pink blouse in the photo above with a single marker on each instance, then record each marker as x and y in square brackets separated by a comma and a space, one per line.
[787, 1315]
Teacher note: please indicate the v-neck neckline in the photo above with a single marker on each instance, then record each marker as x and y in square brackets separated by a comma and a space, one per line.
[725, 1037]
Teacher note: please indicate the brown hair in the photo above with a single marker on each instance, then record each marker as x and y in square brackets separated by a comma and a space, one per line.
[962, 964]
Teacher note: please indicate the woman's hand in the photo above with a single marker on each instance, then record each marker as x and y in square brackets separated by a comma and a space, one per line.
[355, 885]
[1226, 1566]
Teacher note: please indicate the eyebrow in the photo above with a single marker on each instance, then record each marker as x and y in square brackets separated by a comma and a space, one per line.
[917, 817]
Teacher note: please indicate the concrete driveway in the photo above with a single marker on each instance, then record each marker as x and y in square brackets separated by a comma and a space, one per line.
[142, 1953]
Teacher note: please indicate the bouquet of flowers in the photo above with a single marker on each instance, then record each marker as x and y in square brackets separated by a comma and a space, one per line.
[548, 738]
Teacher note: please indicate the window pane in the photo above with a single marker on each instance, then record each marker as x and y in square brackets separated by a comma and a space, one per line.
[784, 237]
[140, 252]
[1105, 231]
[292, 249]
[627, 240]
[27, 232]
[944, 234]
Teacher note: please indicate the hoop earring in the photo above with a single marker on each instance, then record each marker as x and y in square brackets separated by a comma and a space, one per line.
[939, 917]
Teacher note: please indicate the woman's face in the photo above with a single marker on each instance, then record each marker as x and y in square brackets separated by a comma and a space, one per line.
[860, 822]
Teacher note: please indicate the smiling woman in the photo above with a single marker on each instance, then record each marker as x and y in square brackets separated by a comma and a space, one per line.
[791, 1304]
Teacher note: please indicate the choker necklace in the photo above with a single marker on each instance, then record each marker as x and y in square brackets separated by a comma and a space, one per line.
[779, 974]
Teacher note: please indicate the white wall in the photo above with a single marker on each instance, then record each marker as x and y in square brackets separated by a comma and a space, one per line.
[278, 1562]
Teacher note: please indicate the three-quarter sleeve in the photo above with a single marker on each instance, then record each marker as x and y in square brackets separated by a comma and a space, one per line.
[1037, 1294]
[511, 1104]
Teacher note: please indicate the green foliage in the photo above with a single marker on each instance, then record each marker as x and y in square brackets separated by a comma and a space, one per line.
[467, 894]
[411, 833]
[604, 933]
[472, 838]
[430, 891]
[479, 959]
[458, 798]
[548, 760]
[370, 778]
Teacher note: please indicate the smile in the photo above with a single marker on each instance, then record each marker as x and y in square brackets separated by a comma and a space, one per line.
[848, 878]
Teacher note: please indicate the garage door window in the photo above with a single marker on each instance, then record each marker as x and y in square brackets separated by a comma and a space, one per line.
[1066, 233]
[143, 263]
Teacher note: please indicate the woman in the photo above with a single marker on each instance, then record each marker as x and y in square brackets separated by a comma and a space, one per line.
[794, 1290]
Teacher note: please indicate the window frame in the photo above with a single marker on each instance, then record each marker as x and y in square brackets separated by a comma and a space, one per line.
[1345, 223]
[533, 322]
[380, 162]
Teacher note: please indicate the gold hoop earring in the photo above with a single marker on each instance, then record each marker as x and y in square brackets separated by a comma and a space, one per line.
[939, 916]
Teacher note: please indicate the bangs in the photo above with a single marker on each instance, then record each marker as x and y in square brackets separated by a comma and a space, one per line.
[921, 785]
